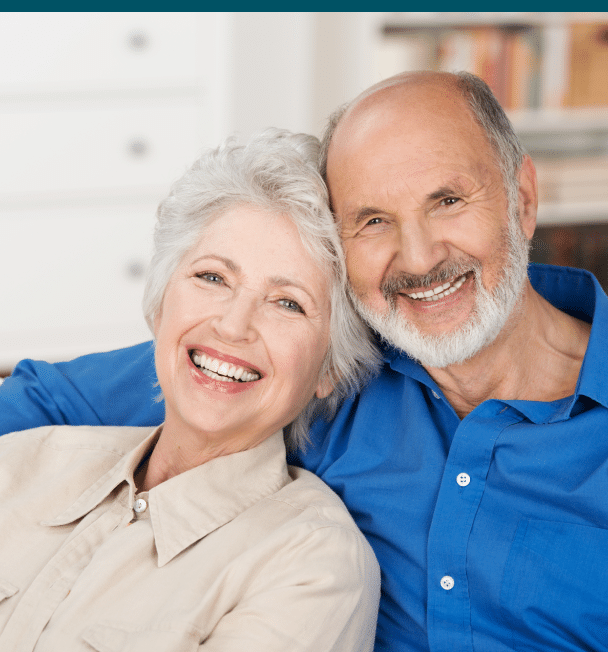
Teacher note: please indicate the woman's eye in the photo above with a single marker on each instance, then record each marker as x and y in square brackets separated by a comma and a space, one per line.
[211, 277]
[290, 305]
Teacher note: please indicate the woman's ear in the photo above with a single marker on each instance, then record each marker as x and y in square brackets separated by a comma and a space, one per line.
[324, 388]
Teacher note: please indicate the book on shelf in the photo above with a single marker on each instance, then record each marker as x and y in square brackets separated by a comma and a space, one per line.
[528, 66]
[572, 179]
[506, 58]
[588, 83]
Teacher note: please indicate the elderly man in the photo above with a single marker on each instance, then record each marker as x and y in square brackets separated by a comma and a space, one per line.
[477, 462]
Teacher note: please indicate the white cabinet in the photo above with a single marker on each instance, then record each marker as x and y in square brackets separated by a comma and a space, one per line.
[98, 148]
[72, 278]
[59, 52]
[99, 113]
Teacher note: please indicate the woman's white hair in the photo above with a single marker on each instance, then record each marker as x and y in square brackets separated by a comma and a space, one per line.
[275, 171]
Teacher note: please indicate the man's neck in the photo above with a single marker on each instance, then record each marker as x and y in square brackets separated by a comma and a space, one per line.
[537, 357]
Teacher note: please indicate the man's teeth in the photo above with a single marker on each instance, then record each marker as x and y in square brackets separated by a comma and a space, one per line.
[440, 291]
[219, 370]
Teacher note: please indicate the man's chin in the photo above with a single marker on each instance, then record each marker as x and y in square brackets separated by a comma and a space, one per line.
[441, 350]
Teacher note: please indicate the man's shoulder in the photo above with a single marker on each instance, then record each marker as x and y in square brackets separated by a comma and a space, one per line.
[569, 289]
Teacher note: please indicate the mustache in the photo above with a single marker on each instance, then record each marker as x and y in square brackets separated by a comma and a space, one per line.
[403, 282]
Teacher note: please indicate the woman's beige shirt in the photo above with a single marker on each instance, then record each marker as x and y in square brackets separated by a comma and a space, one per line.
[240, 554]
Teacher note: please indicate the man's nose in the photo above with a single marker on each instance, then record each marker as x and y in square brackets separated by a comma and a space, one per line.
[420, 249]
[235, 321]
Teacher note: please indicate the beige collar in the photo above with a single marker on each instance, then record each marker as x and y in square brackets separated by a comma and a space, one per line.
[189, 506]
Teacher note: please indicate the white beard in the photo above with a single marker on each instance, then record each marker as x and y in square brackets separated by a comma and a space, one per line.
[489, 316]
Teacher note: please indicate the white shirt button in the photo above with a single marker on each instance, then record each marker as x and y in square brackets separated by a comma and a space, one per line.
[447, 582]
[435, 394]
[140, 506]
[463, 479]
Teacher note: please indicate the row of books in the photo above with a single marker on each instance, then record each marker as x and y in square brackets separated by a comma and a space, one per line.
[566, 180]
[510, 58]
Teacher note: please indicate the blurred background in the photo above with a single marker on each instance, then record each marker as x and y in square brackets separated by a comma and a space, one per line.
[100, 112]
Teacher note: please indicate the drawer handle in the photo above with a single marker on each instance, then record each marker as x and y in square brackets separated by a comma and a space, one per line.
[138, 147]
[138, 40]
[135, 269]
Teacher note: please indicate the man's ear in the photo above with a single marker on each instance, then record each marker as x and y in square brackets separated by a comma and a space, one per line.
[324, 388]
[527, 196]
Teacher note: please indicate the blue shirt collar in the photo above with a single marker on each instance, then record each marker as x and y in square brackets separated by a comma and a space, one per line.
[575, 292]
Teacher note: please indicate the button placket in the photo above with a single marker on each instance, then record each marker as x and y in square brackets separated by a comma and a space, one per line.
[449, 606]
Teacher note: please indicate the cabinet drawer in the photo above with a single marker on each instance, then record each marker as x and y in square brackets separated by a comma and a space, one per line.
[50, 52]
[71, 280]
[99, 148]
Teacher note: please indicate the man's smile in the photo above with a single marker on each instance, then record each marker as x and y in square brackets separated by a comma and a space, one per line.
[440, 291]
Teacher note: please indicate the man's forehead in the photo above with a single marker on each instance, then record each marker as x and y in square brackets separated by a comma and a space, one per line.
[407, 97]
[389, 135]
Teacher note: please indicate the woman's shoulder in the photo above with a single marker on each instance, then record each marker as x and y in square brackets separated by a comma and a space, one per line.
[81, 452]
[115, 439]
[310, 520]
[314, 503]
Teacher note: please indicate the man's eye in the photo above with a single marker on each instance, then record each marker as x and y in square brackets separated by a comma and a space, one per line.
[449, 201]
[374, 220]
[211, 277]
[290, 305]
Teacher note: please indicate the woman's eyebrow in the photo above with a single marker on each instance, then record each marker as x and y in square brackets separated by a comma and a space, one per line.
[230, 264]
[283, 281]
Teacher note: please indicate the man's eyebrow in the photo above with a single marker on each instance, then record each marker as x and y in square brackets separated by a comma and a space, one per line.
[364, 213]
[451, 189]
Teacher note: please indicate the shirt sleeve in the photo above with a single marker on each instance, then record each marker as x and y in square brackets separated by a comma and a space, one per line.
[113, 388]
[319, 595]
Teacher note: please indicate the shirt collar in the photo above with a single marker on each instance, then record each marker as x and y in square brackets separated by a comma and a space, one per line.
[575, 292]
[192, 504]
[189, 506]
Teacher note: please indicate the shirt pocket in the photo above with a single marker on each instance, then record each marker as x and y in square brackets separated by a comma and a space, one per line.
[106, 637]
[555, 587]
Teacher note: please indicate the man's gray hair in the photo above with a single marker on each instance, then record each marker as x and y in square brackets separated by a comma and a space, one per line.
[487, 112]
[276, 171]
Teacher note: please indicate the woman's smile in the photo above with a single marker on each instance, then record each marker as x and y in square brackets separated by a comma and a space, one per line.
[225, 370]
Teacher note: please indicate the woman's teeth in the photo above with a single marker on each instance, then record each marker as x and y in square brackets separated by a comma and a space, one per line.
[224, 371]
[440, 291]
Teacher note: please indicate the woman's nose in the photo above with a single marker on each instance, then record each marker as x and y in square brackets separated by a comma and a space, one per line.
[236, 319]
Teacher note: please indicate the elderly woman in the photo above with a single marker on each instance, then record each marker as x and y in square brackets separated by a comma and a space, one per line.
[197, 534]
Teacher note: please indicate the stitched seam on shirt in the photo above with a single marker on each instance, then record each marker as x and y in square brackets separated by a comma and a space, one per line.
[67, 449]
[346, 528]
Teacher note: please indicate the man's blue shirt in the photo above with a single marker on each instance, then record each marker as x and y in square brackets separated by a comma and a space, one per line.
[491, 531]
